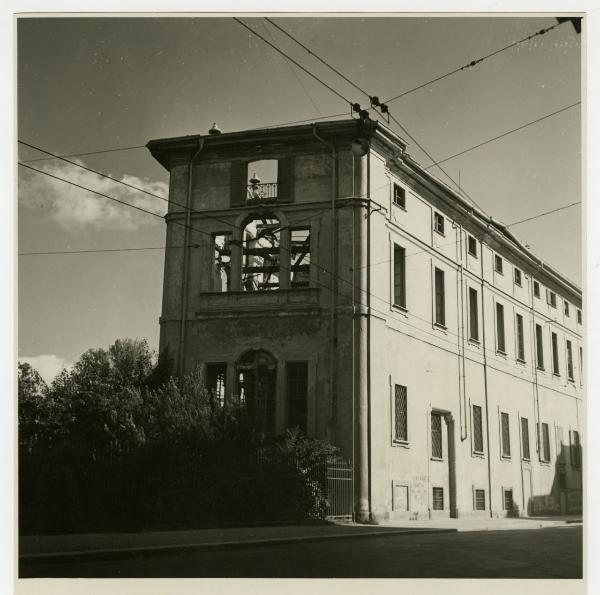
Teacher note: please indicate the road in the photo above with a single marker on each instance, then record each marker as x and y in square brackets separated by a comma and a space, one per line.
[538, 553]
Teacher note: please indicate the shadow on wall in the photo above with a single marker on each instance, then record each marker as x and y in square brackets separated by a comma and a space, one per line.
[565, 495]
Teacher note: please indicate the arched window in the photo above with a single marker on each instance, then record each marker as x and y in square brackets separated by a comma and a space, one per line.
[256, 373]
[260, 253]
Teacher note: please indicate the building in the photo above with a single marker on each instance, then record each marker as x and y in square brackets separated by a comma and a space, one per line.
[326, 279]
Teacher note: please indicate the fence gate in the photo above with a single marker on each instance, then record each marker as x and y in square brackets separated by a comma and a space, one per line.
[340, 489]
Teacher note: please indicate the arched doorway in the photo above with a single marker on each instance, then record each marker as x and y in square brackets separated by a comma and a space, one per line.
[256, 373]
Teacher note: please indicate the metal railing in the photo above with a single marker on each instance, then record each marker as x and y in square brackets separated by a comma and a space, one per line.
[261, 192]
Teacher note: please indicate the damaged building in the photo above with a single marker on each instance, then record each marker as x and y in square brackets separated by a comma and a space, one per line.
[325, 279]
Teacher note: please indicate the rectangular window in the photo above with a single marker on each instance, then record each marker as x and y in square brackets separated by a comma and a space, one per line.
[579, 316]
[477, 429]
[297, 394]
[498, 264]
[438, 498]
[551, 298]
[399, 276]
[555, 363]
[437, 450]
[505, 429]
[508, 499]
[567, 314]
[399, 196]
[575, 449]
[400, 414]
[479, 499]
[438, 223]
[570, 375]
[500, 337]
[581, 365]
[559, 445]
[221, 274]
[539, 346]
[525, 438]
[518, 276]
[520, 338]
[536, 289]
[473, 317]
[544, 442]
[440, 298]
[472, 242]
[300, 257]
[216, 377]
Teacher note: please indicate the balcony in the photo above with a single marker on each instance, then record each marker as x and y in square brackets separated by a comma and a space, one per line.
[260, 193]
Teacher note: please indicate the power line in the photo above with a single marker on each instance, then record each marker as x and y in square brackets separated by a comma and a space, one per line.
[472, 63]
[543, 214]
[504, 134]
[99, 250]
[88, 153]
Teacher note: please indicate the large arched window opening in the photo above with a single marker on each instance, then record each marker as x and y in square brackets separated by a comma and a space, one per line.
[260, 253]
[256, 373]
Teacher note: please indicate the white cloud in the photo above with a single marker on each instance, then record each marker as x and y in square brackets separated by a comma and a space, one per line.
[47, 365]
[73, 207]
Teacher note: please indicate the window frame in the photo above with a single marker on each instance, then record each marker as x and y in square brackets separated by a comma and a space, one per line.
[545, 448]
[288, 378]
[518, 277]
[498, 264]
[539, 347]
[476, 501]
[399, 192]
[395, 439]
[437, 415]
[536, 289]
[500, 329]
[505, 492]
[473, 315]
[579, 316]
[399, 269]
[439, 293]
[475, 427]
[525, 441]
[472, 242]
[505, 446]
[434, 499]
[566, 309]
[555, 354]
[551, 298]
[439, 223]
[520, 337]
[569, 354]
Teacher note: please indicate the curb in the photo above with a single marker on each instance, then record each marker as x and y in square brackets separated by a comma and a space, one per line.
[108, 554]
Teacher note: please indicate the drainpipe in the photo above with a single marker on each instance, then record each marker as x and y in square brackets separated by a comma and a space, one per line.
[536, 408]
[485, 387]
[185, 268]
[333, 261]
[464, 413]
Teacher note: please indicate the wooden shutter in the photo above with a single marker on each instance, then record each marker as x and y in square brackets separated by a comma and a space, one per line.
[285, 179]
[237, 184]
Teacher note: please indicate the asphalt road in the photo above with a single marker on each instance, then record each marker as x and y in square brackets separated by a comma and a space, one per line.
[538, 553]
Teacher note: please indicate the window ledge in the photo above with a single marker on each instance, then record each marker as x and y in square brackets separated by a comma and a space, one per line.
[400, 308]
[438, 459]
[401, 443]
[475, 342]
[556, 374]
[525, 460]
[440, 326]
[440, 233]
[540, 368]
[521, 361]
[401, 207]
[478, 454]
[506, 458]
[501, 352]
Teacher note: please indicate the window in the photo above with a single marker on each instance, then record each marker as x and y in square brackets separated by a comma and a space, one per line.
[500, 338]
[297, 394]
[520, 338]
[498, 264]
[300, 257]
[437, 451]
[536, 289]
[260, 254]
[399, 196]
[438, 223]
[518, 276]
[473, 317]
[566, 309]
[221, 279]
[472, 246]
[477, 429]
[216, 377]
[440, 307]
[261, 180]
[479, 499]
[400, 414]
[570, 375]
[505, 434]
[559, 445]
[581, 365]
[539, 346]
[555, 365]
[575, 449]
[579, 316]
[508, 499]
[399, 276]
[544, 443]
[525, 438]
[438, 498]
[551, 298]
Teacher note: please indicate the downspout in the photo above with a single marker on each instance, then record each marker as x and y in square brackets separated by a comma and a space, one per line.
[485, 387]
[186, 243]
[464, 414]
[536, 409]
[333, 261]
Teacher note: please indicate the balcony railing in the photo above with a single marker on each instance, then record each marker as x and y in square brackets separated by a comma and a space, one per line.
[261, 192]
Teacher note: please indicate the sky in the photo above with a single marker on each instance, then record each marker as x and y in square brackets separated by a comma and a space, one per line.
[89, 84]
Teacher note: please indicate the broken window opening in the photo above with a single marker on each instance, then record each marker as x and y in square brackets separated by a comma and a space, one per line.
[222, 262]
[261, 182]
[216, 377]
[260, 256]
[300, 257]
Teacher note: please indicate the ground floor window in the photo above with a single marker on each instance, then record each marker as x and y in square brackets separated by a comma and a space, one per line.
[479, 499]
[437, 450]
[508, 499]
[216, 377]
[438, 498]
[297, 393]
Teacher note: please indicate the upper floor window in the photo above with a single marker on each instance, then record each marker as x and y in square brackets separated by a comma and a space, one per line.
[438, 223]
[300, 257]
[567, 312]
[500, 338]
[399, 196]
[260, 254]
[551, 298]
[399, 276]
[579, 316]
[536, 289]
[520, 337]
[498, 264]
[555, 362]
[472, 246]
[221, 280]
[473, 315]
[570, 374]
[440, 298]
[261, 181]
[518, 276]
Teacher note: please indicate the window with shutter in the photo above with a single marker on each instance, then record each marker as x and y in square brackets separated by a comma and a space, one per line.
[440, 298]
[400, 414]
[399, 276]
[525, 438]
[505, 434]
[437, 450]
[477, 429]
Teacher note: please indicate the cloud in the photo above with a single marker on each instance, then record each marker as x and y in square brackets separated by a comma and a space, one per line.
[47, 365]
[73, 207]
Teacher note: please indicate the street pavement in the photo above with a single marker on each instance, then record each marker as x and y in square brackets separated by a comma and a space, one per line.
[551, 552]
